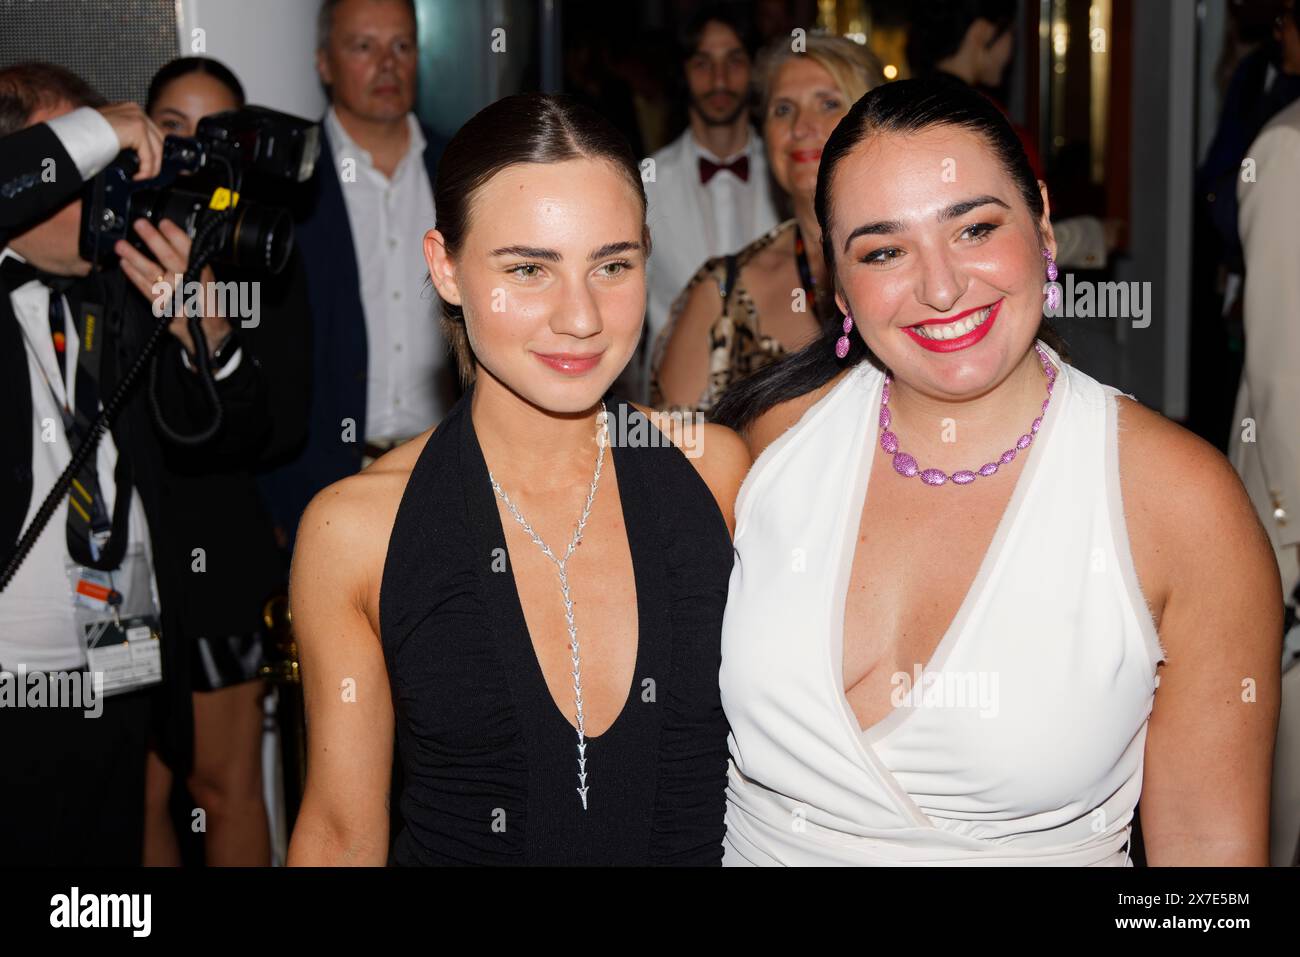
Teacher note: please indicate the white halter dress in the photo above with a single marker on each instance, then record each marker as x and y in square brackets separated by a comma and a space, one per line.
[1022, 742]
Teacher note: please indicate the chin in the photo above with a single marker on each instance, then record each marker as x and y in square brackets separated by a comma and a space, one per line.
[554, 392]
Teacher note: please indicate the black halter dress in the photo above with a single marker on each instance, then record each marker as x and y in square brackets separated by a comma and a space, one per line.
[488, 761]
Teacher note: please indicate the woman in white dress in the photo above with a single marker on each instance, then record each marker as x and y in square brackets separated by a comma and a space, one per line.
[980, 605]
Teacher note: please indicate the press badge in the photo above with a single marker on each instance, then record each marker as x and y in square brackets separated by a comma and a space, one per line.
[118, 622]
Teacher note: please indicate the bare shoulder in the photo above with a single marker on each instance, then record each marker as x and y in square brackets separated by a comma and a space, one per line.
[343, 535]
[783, 416]
[1176, 477]
[1192, 525]
[718, 454]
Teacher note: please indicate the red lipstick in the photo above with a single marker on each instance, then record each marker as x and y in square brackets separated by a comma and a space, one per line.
[960, 342]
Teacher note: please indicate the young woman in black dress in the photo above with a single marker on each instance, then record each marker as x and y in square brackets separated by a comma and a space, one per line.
[553, 702]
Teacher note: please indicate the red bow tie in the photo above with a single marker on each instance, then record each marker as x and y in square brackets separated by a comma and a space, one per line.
[738, 167]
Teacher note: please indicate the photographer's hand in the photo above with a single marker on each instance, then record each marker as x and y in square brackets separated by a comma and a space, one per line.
[155, 279]
[135, 131]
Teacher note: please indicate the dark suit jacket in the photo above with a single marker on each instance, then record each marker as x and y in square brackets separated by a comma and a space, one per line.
[127, 322]
[26, 196]
[339, 353]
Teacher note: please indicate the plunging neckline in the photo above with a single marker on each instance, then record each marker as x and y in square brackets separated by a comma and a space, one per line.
[875, 732]
[537, 676]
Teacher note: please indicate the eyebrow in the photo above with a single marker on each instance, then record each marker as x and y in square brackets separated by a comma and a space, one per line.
[551, 255]
[888, 226]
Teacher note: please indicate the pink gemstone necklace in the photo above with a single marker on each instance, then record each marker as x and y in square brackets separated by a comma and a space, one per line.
[906, 466]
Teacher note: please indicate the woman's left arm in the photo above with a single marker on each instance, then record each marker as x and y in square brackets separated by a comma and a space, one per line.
[1199, 546]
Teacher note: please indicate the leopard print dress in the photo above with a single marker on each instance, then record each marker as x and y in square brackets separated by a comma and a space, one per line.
[737, 347]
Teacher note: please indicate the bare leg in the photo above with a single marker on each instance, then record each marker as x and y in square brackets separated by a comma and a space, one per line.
[227, 777]
[161, 848]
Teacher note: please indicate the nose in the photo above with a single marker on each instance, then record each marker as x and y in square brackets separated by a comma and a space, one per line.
[719, 71]
[579, 314]
[942, 283]
[802, 127]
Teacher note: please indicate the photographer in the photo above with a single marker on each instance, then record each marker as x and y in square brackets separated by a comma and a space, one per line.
[74, 791]
[215, 506]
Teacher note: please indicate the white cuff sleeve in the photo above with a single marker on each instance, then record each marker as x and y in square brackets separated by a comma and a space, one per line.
[224, 372]
[88, 138]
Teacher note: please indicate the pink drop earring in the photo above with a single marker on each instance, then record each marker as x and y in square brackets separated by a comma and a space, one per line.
[1053, 290]
[842, 343]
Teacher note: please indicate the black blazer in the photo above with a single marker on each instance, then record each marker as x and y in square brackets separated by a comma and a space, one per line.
[27, 193]
[339, 353]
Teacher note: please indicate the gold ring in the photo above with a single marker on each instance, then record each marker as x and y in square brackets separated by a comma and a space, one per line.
[159, 280]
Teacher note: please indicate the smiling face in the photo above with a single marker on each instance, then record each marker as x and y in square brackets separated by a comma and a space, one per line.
[551, 278]
[187, 99]
[369, 62]
[803, 108]
[943, 268]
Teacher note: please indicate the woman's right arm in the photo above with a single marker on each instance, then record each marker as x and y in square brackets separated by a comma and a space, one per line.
[333, 591]
[683, 370]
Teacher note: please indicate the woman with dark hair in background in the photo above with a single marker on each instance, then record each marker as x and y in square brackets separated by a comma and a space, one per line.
[974, 41]
[221, 532]
[552, 704]
[955, 582]
[739, 313]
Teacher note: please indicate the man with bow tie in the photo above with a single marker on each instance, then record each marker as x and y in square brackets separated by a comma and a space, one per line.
[710, 192]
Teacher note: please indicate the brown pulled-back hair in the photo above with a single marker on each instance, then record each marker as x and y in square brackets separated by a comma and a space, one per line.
[525, 128]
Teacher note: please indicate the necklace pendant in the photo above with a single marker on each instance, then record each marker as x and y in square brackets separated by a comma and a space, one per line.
[602, 440]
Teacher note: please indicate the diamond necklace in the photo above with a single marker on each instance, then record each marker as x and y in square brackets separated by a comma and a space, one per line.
[602, 439]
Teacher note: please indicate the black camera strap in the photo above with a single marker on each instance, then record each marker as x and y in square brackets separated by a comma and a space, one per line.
[94, 540]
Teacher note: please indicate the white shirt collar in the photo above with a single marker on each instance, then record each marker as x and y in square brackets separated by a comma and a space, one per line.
[9, 253]
[345, 145]
[697, 149]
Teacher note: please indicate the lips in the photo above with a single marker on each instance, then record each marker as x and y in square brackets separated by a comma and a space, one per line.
[956, 332]
[805, 156]
[570, 363]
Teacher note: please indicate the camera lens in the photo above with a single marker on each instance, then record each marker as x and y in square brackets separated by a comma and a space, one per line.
[261, 237]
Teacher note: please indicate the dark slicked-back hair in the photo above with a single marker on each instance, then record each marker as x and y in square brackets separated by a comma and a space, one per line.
[28, 87]
[938, 27]
[904, 107]
[184, 66]
[525, 128]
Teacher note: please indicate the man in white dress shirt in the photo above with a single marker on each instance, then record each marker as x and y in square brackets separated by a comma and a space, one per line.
[1265, 442]
[710, 193]
[382, 371]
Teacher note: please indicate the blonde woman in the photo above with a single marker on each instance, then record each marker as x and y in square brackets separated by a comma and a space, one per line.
[741, 312]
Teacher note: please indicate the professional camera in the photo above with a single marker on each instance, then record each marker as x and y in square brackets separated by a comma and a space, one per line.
[271, 145]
